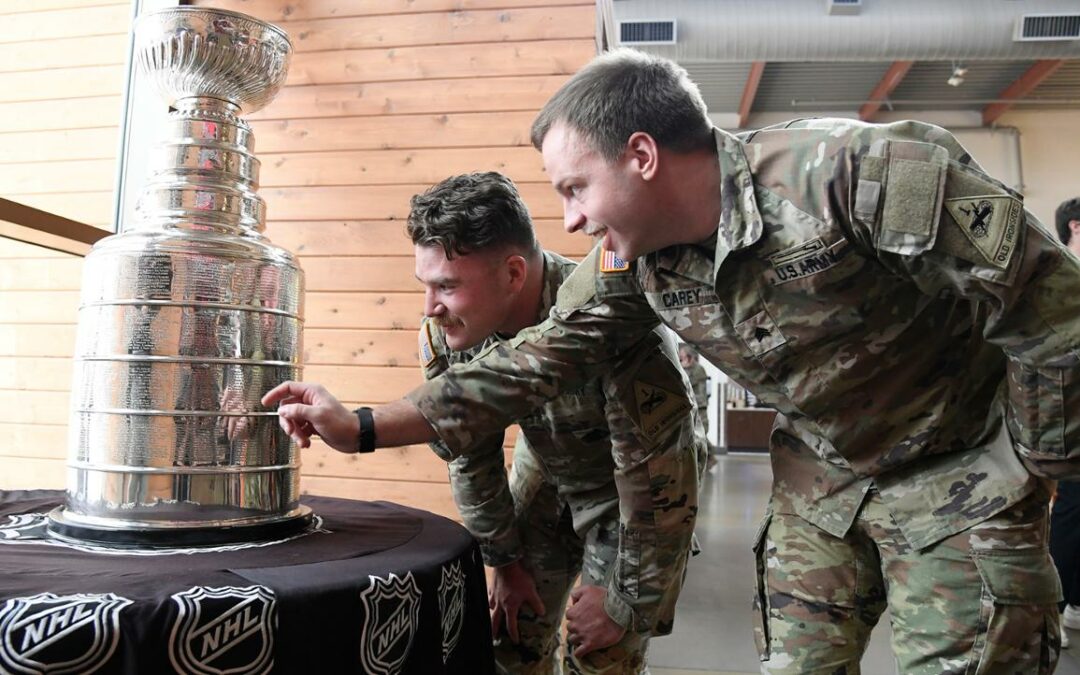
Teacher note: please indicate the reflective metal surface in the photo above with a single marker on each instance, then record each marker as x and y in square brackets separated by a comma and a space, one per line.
[190, 316]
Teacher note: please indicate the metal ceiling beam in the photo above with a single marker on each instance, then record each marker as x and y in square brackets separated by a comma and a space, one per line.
[889, 82]
[1023, 86]
[753, 79]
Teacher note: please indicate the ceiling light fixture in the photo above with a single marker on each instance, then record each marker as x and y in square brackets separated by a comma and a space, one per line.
[957, 77]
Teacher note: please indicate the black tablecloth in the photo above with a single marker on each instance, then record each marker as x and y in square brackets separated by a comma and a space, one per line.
[371, 587]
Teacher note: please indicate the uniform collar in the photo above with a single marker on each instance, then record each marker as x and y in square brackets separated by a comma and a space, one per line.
[740, 221]
[556, 269]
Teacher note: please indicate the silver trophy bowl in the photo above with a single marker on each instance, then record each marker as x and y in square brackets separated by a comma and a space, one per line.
[190, 316]
[192, 52]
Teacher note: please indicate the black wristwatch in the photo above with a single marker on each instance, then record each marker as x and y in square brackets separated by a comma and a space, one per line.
[365, 440]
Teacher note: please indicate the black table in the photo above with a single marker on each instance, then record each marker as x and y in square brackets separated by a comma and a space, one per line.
[371, 587]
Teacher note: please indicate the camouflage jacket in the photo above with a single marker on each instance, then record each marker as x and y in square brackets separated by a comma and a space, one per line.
[601, 455]
[916, 328]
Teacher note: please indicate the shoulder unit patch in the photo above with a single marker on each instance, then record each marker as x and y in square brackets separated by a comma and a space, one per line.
[658, 408]
[990, 222]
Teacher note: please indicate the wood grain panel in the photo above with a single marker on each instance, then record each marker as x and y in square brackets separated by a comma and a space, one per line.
[62, 83]
[47, 441]
[350, 346]
[433, 497]
[66, 23]
[27, 473]
[409, 98]
[397, 311]
[389, 167]
[441, 28]
[360, 202]
[12, 248]
[31, 340]
[291, 10]
[31, 274]
[551, 57]
[38, 373]
[380, 273]
[415, 462]
[50, 146]
[387, 237]
[78, 113]
[21, 6]
[41, 307]
[34, 407]
[462, 130]
[97, 50]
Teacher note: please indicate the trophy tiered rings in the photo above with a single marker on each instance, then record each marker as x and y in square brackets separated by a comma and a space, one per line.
[190, 316]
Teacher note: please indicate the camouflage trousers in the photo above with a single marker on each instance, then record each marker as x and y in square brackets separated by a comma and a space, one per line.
[983, 601]
[555, 555]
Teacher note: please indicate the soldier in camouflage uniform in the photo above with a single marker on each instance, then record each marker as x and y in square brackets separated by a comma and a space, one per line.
[699, 379]
[604, 478]
[915, 327]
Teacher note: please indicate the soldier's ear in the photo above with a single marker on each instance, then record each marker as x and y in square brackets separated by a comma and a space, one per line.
[643, 155]
[517, 269]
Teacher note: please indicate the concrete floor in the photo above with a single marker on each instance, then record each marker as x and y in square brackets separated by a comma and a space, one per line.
[713, 634]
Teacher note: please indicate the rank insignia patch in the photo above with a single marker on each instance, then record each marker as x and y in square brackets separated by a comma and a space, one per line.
[991, 223]
[658, 408]
[427, 352]
[609, 262]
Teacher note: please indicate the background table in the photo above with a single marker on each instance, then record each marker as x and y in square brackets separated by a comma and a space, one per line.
[372, 587]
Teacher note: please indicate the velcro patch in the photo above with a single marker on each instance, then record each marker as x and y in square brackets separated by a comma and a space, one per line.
[427, 351]
[609, 262]
[990, 222]
[658, 408]
[803, 260]
[688, 297]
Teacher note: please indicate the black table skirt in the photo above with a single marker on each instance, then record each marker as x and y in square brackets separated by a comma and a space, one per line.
[371, 587]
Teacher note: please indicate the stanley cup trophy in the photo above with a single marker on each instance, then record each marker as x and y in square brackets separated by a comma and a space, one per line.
[190, 316]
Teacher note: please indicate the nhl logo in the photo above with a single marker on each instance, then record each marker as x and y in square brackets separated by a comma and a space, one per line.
[54, 634]
[24, 526]
[451, 606]
[224, 631]
[391, 610]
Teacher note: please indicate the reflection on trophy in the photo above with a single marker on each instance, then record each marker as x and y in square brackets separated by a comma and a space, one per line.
[191, 315]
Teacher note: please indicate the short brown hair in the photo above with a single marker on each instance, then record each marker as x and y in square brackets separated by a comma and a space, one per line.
[623, 92]
[471, 212]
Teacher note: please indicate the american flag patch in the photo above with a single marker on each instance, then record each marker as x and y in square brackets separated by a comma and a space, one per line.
[427, 352]
[609, 262]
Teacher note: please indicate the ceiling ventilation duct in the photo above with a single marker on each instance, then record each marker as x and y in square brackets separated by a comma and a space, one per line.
[1040, 27]
[798, 30]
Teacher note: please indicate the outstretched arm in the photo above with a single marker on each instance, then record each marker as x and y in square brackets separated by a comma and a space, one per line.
[306, 409]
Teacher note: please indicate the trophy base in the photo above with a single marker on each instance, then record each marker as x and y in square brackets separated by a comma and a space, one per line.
[68, 527]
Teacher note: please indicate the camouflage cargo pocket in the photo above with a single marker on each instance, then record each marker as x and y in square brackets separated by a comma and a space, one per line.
[1018, 630]
[761, 589]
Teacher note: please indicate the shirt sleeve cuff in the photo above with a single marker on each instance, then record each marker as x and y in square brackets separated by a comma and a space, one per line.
[501, 551]
[619, 610]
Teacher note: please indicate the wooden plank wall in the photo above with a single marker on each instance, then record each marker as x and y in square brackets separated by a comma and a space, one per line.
[384, 97]
[61, 82]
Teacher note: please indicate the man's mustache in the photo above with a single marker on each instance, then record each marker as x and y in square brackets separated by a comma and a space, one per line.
[446, 321]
